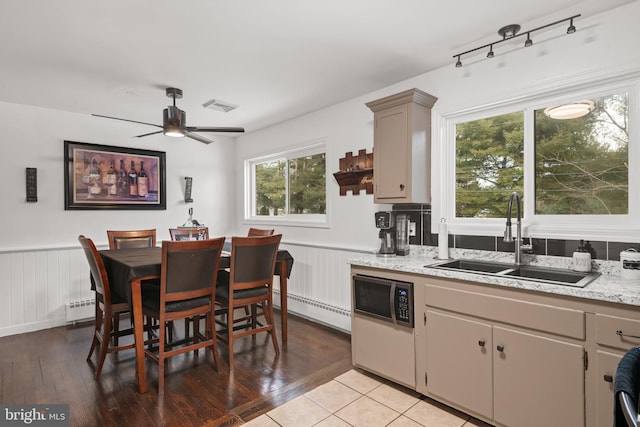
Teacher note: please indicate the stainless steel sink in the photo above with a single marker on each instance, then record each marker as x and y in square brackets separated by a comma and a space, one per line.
[557, 276]
[554, 275]
[476, 266]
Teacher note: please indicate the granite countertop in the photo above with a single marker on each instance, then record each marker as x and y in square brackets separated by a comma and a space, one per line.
[610, 286]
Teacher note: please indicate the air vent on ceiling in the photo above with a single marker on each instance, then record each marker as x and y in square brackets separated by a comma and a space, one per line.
[216, 104]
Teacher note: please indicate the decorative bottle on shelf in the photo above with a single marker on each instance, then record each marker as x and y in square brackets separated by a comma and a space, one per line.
[123, 181]
[143, 181]
[110, 180]
[133, 181]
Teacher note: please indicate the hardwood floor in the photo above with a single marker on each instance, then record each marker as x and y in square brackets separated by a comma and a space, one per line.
[50, 366]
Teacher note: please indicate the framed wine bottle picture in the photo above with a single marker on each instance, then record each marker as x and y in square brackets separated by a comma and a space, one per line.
[107, 177]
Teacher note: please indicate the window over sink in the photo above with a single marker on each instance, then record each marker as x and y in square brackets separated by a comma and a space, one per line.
[572, 173]
[287, 187]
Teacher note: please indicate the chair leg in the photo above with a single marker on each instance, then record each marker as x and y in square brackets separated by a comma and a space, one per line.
[106, 339]
[98, 325]
[161, 350]
[230, 336]
[210, 331]
[268, 314]
[116, 328]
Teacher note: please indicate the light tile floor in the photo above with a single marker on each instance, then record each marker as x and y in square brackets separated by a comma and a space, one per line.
[355, 399]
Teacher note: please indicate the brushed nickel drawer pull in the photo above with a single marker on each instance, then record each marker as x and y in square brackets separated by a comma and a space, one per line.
[619, 332]
[500, 348]
[481, 343]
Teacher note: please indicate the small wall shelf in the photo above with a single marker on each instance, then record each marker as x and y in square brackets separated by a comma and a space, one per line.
[356, 173]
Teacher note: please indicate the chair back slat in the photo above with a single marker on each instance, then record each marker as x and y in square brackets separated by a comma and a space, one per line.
[189, 268]
[254, 263]
[124, 239]
[257, 232]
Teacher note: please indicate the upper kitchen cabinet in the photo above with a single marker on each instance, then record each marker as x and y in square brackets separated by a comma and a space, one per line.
[402, 147]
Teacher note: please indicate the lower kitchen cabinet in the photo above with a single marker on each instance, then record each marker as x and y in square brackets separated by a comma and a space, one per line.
[459, 362]
[384, 349]
[508, 361]
[538, 381]
[510, 377]
[606, 366]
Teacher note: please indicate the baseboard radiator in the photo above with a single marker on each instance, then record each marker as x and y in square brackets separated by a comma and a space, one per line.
[80, 310]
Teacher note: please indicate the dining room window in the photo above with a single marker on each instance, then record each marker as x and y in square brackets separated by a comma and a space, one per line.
[288, 186]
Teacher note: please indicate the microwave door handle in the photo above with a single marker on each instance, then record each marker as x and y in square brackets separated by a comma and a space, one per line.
[392, 302]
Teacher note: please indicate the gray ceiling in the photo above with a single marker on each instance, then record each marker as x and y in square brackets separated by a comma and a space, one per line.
[277, 59]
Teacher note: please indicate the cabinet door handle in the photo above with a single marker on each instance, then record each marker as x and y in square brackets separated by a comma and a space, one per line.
[619, 332]
[401, 186]
[608, 378]
[500, 348]
[481, 343]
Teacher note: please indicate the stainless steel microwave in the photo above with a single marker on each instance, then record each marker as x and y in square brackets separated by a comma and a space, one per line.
[385, 299]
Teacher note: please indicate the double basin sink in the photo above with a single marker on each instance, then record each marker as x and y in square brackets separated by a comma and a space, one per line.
[556, 276]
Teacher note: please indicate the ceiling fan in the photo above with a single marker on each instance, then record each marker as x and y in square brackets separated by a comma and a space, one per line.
[174, 122]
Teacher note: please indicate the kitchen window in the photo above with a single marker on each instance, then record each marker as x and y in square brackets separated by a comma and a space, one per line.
[572, 173]
[288, 187]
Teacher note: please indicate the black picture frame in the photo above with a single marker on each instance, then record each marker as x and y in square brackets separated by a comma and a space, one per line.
[89, 183]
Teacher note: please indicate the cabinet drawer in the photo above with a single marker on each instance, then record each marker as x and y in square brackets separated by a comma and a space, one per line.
[542, 317]
[617, 332]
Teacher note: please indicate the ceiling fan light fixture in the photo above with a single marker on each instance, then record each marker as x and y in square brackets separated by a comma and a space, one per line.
[173, 119]
[570, 111]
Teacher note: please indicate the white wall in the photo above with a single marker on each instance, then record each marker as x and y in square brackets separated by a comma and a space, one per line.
[604, 46]
[33, 137]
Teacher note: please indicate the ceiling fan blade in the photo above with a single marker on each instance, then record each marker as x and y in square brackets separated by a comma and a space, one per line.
[126, 120]
[213, 129]
[147, 134]
[198, 138]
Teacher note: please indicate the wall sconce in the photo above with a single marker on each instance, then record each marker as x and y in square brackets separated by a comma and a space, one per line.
[570, 111]
[509, 32]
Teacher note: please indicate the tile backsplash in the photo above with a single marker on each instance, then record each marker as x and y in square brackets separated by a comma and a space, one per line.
[421, 215]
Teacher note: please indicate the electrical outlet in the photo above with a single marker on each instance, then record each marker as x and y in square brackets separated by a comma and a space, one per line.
[412, 228]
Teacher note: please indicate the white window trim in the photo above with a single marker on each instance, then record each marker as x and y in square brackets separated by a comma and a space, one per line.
[596, 227]
[295, 220]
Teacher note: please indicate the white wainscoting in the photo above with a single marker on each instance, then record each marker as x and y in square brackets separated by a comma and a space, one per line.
[36, 285]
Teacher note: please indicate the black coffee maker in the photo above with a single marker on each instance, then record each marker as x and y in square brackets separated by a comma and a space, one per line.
[385, 221]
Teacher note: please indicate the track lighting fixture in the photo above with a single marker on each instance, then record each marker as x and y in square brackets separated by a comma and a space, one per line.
[528, 42]
[511, 31]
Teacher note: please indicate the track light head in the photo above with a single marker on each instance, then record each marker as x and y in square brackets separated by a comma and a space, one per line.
[528, 42]
[459, 63]
[572, 28]
[490, 53]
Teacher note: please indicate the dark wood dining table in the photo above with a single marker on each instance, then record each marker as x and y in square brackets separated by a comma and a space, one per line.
[125, 265]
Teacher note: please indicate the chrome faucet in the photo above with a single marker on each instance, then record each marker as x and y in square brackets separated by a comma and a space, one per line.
[508, 236]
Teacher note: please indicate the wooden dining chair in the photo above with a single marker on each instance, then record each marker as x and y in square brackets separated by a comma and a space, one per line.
[108, 308]
[121, 239]
[257, 232]
[187, 290]
[248, 283]
[178, 234]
